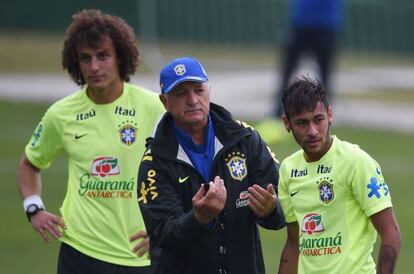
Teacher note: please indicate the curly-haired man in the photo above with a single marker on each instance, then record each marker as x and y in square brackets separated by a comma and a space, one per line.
[101, 129]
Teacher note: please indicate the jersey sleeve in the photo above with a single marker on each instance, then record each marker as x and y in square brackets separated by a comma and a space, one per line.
[284, 196]
[45, 142]
[369, 186]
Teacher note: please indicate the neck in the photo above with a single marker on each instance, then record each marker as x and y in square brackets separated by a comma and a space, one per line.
[197, 132]
[105, 95]
[199, 137]
[317, 156]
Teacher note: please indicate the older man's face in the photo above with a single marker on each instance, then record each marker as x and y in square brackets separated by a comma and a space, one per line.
[189, 104]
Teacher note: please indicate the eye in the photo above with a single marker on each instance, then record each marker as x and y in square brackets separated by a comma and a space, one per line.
[84, 58]
[200, 90]
[300, 122]
[179, 93]
[319, 119]
[103, 55]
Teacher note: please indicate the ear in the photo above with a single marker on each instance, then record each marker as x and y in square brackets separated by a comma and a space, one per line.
[330, 115]
[163, 99]
[286, 123]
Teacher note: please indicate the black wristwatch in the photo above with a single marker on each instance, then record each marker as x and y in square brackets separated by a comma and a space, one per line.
[32, 210]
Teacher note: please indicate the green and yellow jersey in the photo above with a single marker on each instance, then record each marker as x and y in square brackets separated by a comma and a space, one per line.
[104, 144]
[332, 199]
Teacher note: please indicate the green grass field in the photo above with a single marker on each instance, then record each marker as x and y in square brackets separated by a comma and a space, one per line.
[23, 251]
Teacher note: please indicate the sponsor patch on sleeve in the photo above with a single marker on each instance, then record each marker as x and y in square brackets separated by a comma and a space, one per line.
[148, 190]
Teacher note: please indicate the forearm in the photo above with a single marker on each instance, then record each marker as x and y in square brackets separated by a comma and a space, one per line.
[387, 257]
[275, 220]
[289, 260]
[28, 179]
[387, 227]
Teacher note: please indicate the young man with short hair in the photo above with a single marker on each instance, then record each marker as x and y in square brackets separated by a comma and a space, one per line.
[333, 194]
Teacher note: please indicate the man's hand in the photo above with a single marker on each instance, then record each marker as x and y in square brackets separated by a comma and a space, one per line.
[143, 246]
[262, 201]
[208, 206]
[46, 223]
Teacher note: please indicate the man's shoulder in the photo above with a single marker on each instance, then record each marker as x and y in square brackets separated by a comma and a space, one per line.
[349, 150]
[293, 158]
[147, 100]
[140, 93]
[67, 103]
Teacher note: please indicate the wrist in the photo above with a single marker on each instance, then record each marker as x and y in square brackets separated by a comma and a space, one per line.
[33, 199]
[32, 205]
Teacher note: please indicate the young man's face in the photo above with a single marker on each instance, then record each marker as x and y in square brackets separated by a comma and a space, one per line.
[311, 130]
[99, 65]
[189, 104]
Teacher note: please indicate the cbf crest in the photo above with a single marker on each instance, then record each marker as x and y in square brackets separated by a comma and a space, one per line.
[326, 190]
[128, 133]
[236, 163]
[179, 69]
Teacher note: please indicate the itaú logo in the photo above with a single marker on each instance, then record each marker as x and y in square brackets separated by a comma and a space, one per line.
[312, 222]
[104, 166]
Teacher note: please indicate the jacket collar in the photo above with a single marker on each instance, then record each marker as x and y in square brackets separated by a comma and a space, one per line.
[227, 132]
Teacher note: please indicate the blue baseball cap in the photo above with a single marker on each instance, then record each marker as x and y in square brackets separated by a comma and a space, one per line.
[181, 70]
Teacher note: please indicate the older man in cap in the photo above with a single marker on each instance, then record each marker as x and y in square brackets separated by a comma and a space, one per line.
[205, 182]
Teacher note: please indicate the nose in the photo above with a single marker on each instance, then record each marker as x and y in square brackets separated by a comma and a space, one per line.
[94, 65]
[312, 130]
[192, 98]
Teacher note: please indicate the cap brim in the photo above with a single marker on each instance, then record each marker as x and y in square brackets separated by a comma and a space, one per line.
[185, 79]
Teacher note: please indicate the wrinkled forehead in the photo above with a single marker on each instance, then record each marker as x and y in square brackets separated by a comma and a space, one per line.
[187, 85]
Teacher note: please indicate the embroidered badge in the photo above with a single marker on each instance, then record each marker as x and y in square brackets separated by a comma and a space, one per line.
[326, 190]
[236, 162]
[179, 69]
[128, 133]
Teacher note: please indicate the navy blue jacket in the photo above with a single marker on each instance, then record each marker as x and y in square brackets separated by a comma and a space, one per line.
[168, 181]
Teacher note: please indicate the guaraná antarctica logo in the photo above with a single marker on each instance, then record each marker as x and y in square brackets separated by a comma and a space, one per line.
[312, 223]
[314, 244]
[98, 183]
[103, 166]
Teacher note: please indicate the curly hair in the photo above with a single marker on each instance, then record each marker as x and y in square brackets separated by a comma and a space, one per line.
[303, 93]
[91, 27]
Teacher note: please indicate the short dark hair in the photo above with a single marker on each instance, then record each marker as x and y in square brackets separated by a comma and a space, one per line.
[91, 27]
[303, 93]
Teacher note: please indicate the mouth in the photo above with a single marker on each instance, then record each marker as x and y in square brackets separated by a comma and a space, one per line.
[189, 111]
[96, 78]
[313, 142]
